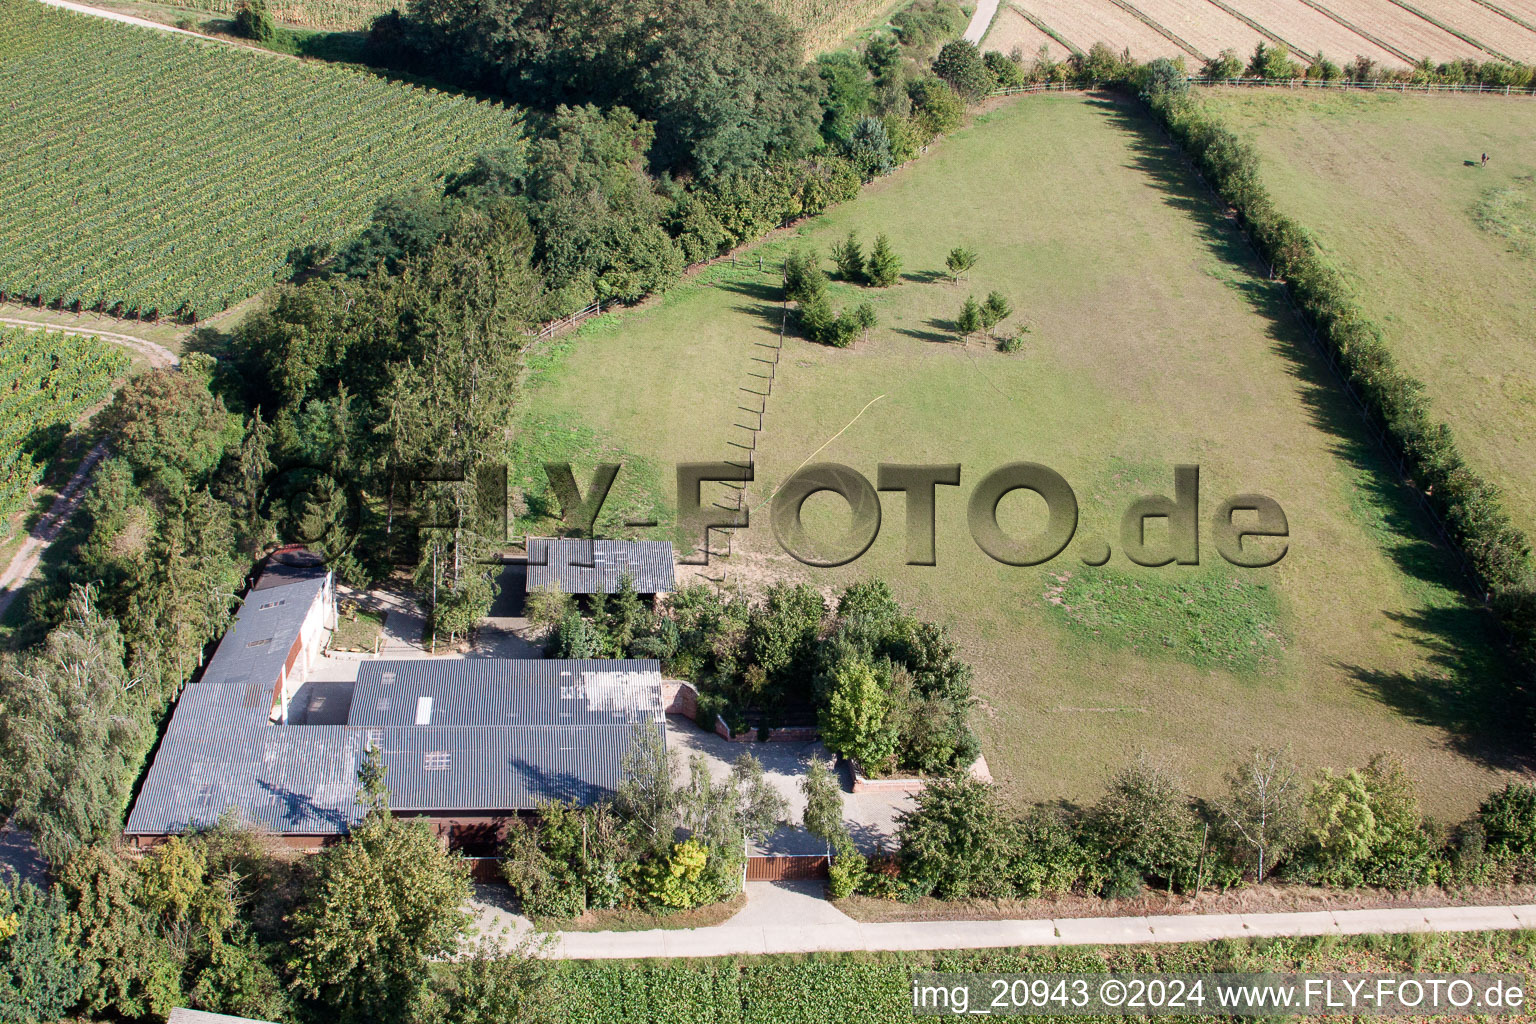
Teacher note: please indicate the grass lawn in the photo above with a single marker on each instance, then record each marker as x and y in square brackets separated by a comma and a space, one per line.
[1438, 247]
[1152, 344]
[357, 631]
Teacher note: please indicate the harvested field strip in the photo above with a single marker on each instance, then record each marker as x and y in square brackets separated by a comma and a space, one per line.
[1266, 33]
[1043, 27]
[1098, 21]
[1421, 10]
[1312, 31]
[1357, 30]
[1209, 27]
[1011, 30]
[1522, 12]
[1160, 29]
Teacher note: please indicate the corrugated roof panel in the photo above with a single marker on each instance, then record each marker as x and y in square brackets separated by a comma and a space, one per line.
[577, 566]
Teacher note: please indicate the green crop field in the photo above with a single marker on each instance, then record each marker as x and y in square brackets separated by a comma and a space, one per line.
[47, 380]
[337, 15]
[148, 174]
[1152, 342]
[1438, 247]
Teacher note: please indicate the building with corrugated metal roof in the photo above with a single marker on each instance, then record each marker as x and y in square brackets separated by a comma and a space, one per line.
[469, 743]
[578, 566]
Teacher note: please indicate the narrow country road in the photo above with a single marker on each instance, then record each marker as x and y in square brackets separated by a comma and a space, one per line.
[794, 919]
[126, 19]
[980, 21]
[157, 355]
[47, 529]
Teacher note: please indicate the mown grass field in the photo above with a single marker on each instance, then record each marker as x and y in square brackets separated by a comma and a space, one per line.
[1152, 343]
[1437, 246]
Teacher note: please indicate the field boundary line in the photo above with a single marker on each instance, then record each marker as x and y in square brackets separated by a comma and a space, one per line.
[1458, 33]
[157, 354]
[1496, 9]
[1159, 28]
[1362, 33]
[1043, 27]
[1261, 30]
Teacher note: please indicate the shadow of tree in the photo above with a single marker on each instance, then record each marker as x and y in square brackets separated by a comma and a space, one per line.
[1472, 693]
[939, 331]
[925, 276]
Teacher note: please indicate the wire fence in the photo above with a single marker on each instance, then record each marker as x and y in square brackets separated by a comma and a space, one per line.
[1430, 88]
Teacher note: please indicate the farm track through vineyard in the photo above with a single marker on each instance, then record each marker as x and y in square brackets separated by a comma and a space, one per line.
[185, 173]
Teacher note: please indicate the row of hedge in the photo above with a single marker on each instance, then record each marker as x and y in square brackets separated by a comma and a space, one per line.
[1469, 506]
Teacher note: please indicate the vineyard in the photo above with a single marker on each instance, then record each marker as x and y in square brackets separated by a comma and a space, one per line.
[47, 380]
[154, 175]
[1390, 32]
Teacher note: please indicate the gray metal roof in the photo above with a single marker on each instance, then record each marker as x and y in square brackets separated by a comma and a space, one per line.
[182, 1016]
[566, 741]
[486, 692]
[577, 566]
[257, 643]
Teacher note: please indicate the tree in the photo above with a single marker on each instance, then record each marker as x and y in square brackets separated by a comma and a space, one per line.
[254, 21]
[39, 979]
[853, 720]
[883, 266]
[803, 277]
[866, 318]
[1005, 69]
[849, 257]
[782, 633]
[721, 814]
[823, 815]
[384, 904]
[645, 798]
[1272, 63]
[1263, 807]
[994, 311]
[869, 148]
[936, 108]
[491, 985]
[960, 261]
[969, 321]
[1341, 825]
[1164, 77]
[961, 65]
[171, 428]
[73, 731]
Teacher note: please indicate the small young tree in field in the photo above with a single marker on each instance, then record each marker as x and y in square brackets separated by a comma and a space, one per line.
[865, 317]
[883, 266]
[960, 261]
[994, 311]
[803, 277]
[849, 257]
[969, 320]
[1262, 811]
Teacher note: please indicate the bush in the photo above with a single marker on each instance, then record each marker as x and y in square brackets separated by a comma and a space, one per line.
[936, 108]
[254, 21]
[954, 842]
[1006, 73]
[1145, 823]
[1225, 64]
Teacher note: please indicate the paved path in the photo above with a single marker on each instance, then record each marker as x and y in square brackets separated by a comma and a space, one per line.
[47, 529]
[779, 922]
[157, 354]
[980, 21]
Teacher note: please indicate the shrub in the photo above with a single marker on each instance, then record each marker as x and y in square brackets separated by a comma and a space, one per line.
[1144, 822]
[1006, 72]
[679, 881]
[1045, 856]
[936, 108]
[1164, 77]
[954, 841]
[1013, 342]
[1272, 63]
[1225, 64]
[1508, 820]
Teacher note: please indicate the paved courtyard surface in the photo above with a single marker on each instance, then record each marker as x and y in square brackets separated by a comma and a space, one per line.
[871, 817]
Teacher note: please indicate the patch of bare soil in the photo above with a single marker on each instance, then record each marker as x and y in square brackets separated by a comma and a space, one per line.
[1265, 899]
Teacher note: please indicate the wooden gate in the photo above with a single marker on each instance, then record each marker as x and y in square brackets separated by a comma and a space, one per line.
[774, 869]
